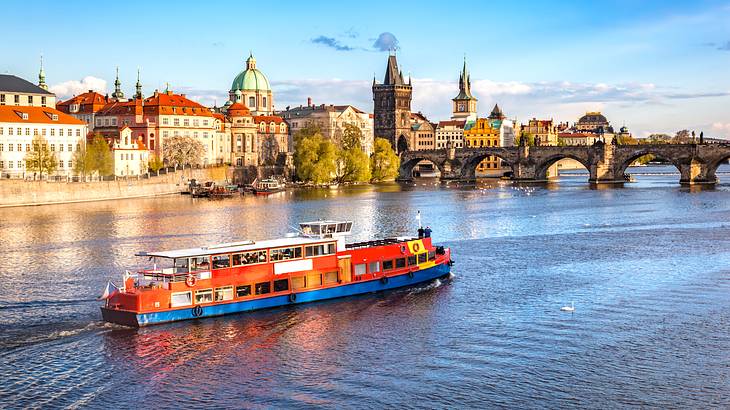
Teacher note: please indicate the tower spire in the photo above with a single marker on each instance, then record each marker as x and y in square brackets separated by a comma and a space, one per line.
[42, 77]
[138, 87]
[118, 94]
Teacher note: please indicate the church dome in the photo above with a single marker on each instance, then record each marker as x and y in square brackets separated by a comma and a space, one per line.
[593, 118]
[251, 79]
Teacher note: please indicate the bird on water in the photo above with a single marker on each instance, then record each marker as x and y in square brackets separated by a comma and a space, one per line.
[570, 308]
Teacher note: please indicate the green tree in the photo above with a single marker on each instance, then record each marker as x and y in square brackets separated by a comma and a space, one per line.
[40, 159]
[155, 163]
[98, 157]
[384, 162]
[529, 138]
[353, 164]
[315, 158]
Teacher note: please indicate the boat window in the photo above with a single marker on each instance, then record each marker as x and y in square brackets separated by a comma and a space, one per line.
[330, 277]
[412, 260]
[342, 227]
[199, 263]
[298, 282]
[224, 293]
[181, 265]
[319, 250]
[263, 288]
[222, 261]
[306, 229]
[204, 296]
[374, 267]
[387, 265]
[432, 255]
[360, 269]
[422, 257]
[400, 263]
[283, 254]
[181, 299]
[243, 291]
[281, 285]
[349, 226]
[331, 228]
[249, 258]
[314, 280]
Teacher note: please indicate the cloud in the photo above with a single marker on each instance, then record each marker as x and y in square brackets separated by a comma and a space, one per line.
[722, 128]
[386, 42]
[724, 47]
[70, 88]
[206, 97]
[332, 43]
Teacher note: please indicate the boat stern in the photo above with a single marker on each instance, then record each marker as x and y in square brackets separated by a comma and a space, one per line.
[120, 317]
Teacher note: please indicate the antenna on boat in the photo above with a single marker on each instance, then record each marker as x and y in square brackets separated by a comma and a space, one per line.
[418, 219]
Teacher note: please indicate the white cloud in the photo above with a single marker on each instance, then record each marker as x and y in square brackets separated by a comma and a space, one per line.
[723, 128]
[70, 88]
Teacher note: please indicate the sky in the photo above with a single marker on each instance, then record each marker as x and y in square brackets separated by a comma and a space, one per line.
[654, 66]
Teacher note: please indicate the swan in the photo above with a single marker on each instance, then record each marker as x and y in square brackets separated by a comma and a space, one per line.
[570, 308]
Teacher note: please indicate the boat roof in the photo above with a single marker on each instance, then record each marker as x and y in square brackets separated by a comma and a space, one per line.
[234, 247]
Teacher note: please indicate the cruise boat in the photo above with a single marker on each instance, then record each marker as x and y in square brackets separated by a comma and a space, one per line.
[267, 186]
[314, 264]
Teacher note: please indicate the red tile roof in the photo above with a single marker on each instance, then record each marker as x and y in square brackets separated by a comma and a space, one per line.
[267, 119]
[458, 123]
[170, 103]
[37, 115]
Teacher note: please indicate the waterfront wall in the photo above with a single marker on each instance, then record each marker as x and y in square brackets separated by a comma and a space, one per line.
[25, 193]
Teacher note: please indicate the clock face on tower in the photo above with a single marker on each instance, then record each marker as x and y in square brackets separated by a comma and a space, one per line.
[461, 107]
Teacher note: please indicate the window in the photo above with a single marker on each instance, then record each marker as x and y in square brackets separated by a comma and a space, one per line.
[30, 100]
[281, 285]
[298, 282]
[374, 267]
[388, 265]
[314, 280]
[360, 269]
[70, 164]
[264, 103]
[60, 147]
[165, 121]
[283, 254]
[181, 299]
[243, 291]
[17, 99]
[224, 293]
[411, 260]
[10, 147]
[186, 122]
[330, 277]
[43, 101]
[53, 147]
[422, 257]
[10, 131]
[176, 122]
[220, 261]
[199, 263]
[78, 132]
[60, 164]
[60, 132]
[319, 250]
[249, 258]
[263, 288]
[432, 255]
[252, 102]
[204, 296]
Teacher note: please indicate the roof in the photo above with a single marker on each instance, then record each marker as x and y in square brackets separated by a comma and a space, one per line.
[452, 123]
[304, 111]
[267, 118]
[392, 75]
[234, 247]
[238, 110]
[119, 108]
[251, 78]
[575, 135]
[593, 117]
[171, 103]
[36, 115]
[13, 84]
[88, 102]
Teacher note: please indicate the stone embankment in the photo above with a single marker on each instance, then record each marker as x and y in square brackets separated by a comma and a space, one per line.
[27, 193]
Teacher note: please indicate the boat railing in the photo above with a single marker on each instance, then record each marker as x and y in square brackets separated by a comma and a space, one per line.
[376, 242]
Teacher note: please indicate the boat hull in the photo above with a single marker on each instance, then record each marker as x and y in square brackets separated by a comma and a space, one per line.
[130, 318]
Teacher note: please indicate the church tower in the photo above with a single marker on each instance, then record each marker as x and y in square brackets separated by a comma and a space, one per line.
[465, 104]
[42, 77]
[392, 107]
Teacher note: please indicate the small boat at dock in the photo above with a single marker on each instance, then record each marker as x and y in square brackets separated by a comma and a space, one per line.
[314, 264]
[267, 186]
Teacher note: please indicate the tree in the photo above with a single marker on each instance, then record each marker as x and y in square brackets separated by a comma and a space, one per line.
[315, 158]
[682, 137]
[40, 159]
[98, 157]
[529, 138]
[384, 162]
[182, 150]
[657, 139]
[82, 165]
[155, 163]
[626, 140]
[353, 164]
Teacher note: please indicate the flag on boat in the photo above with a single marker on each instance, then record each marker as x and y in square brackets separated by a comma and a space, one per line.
[109, 290]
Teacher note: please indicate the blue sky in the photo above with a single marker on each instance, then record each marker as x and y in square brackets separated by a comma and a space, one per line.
[653, 65]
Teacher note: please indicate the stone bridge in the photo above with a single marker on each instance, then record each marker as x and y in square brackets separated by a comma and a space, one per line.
[606, 163]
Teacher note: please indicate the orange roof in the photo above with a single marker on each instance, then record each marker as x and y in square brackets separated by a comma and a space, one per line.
[267, 118]
[90, 97]
[238, 110]
[219, 116]
[457, 123]
[37, 115]
[170, 103]
[575, 135]
[120, 108]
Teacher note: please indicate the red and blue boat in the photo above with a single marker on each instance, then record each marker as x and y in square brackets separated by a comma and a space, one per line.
[315, 264]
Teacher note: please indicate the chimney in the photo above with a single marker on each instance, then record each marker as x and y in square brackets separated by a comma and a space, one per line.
[309, 101]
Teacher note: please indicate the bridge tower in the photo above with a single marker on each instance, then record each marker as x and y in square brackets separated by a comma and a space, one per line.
[392, 107]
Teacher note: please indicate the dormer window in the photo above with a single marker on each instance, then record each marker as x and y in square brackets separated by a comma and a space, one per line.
[24, 116]
[54, 117]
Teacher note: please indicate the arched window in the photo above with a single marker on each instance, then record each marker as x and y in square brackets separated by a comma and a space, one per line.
[264, 103]
[252, 102]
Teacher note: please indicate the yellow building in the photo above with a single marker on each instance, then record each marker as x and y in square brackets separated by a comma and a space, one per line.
[484, 132]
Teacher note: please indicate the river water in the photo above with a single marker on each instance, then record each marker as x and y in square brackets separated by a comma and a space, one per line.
[647, 267]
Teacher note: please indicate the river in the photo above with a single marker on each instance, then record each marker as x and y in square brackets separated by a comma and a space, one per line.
[646, 265]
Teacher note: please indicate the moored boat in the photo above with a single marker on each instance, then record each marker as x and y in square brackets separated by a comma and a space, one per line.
[267, 186]
[315, 264]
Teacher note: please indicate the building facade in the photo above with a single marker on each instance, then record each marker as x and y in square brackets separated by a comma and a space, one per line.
[392, 107]
[423, 133]
[449, 134]
[493, 131]
[251, 88]
[544, 131]
[131, 157]
[17, 92]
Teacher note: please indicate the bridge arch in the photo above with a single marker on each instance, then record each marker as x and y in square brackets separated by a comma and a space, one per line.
[713, 165]
[470, 164]
[623, 164]
[405, 172]
[542, 167]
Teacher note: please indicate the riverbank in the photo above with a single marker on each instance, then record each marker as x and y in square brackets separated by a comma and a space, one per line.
[16, 193]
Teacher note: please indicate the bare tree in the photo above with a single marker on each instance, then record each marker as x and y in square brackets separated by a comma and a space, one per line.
[182, 150]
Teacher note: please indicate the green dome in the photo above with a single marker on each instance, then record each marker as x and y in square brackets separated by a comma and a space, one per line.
[251, 78]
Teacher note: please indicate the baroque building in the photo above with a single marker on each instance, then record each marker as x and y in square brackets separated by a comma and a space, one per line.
[392, 107]
[251, 88]
[493, 131]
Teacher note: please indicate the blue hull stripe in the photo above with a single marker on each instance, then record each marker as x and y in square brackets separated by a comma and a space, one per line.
[354, 288]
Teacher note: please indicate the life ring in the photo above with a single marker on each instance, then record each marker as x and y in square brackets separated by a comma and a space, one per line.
[416, 247]
[384, 280]
[292, 297]
[197, 311]
[190, 280]
[411, 275]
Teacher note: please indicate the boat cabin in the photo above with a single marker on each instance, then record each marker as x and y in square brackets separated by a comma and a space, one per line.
[325, 229]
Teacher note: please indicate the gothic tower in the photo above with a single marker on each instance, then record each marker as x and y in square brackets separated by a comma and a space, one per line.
[392, 107]
[465, 104]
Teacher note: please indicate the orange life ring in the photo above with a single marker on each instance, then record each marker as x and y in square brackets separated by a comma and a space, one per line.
[416, 247]
[190, 280]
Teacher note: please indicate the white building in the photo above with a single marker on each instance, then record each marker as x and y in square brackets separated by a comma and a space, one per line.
[131, 157]
[450, 134]
[18, 92]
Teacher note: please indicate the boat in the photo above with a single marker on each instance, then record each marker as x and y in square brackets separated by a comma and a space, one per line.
[267, 186]
[312, 265]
